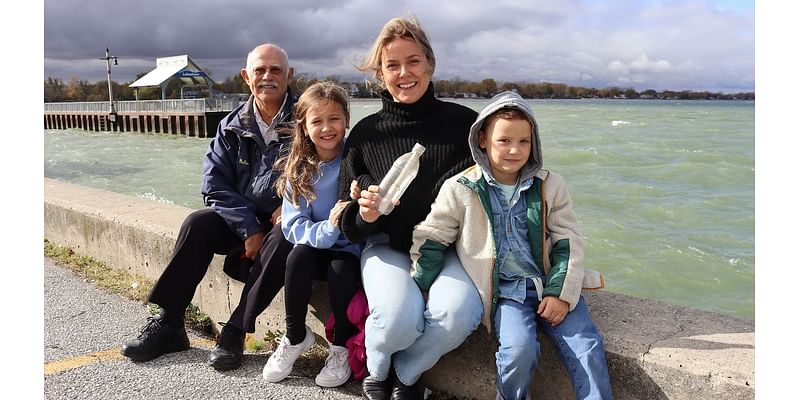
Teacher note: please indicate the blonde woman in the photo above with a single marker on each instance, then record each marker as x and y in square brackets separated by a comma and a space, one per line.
[408, 330]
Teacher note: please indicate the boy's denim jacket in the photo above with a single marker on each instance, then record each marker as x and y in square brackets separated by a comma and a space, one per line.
[510, 231]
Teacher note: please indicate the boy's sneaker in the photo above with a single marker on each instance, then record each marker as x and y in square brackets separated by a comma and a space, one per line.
[280, 363]
[155, 339]
[336, 370]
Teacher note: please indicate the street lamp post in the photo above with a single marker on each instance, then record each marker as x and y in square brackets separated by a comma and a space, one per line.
[108, 59]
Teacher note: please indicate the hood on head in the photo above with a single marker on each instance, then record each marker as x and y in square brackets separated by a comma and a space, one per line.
[507, 99]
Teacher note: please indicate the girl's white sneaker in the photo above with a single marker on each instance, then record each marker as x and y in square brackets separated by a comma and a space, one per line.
[336, 370]
[280, 363]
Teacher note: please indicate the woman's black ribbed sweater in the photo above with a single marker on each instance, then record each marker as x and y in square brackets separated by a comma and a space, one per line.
[375, 143]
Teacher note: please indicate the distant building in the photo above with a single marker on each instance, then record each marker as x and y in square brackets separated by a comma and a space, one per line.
[169, 69]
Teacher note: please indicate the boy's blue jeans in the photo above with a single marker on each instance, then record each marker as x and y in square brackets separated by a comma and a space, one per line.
[401, 327]
[579, 345]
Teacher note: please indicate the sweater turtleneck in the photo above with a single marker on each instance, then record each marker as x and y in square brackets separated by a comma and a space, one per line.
[380, 138]
[422, 108]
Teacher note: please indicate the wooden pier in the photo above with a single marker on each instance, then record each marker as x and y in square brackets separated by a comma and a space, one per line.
[192, 117]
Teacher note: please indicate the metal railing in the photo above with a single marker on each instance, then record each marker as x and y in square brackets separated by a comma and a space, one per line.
[93, 106]
[147, 106]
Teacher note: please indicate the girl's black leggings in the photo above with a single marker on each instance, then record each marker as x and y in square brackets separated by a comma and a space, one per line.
[342, 271]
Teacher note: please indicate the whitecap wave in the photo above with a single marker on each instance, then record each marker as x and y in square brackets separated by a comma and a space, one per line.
[620, 122]
[154, 197]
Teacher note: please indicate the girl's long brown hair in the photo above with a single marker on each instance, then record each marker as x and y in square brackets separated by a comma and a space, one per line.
[301, 166]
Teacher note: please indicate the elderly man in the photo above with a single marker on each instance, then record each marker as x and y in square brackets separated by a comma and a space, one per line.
[241, 221]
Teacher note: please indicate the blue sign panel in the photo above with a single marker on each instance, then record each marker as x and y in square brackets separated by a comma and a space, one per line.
[191, 74]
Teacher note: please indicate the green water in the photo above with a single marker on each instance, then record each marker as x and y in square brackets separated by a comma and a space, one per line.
[664, 190]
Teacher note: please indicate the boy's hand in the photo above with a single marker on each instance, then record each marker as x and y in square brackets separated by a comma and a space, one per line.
[368, 204]
[553, 310]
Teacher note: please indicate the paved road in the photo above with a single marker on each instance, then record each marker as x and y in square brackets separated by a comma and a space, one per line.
[84, 327]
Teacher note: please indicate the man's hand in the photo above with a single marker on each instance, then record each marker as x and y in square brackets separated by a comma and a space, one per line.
[252, 245]
[368, 204]
[553, 310]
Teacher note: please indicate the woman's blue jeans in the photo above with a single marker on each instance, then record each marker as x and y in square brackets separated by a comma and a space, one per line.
[402, 329]
[579, 345]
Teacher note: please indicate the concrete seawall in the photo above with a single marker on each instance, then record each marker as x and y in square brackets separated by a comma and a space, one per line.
[654, 350]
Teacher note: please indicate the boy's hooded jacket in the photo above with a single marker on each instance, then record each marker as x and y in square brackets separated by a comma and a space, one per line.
[461, 216]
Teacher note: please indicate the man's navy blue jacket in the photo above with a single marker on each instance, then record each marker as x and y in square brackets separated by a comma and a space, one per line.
[238, 177]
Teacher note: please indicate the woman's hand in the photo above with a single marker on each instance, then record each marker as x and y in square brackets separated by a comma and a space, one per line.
[336, 211]
[368, 204]
[355, 190]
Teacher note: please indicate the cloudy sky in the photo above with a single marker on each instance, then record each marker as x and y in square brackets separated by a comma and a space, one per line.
[647, 44]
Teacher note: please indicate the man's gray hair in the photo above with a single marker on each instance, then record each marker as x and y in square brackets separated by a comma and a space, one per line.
[253, 52]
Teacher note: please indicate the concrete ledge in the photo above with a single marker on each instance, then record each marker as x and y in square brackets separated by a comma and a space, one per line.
[654, 350]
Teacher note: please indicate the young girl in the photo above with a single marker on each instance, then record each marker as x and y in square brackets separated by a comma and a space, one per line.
[310, 216]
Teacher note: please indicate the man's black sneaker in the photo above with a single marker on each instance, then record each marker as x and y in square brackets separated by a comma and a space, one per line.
[227, 354]
[155, 339]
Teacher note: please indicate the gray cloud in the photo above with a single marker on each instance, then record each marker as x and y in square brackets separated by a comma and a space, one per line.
[673, 45]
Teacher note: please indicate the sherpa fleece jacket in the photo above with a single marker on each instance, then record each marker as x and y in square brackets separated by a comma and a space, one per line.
[461, 213]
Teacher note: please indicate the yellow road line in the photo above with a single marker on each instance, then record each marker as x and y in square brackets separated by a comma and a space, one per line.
[57, 366]
[54, 367]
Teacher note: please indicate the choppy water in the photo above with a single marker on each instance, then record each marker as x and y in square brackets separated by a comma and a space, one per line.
[664, 190]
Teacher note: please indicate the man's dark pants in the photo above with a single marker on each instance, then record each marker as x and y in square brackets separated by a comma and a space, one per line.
[203, 234]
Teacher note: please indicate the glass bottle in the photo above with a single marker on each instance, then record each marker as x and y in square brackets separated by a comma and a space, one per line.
[394, 184]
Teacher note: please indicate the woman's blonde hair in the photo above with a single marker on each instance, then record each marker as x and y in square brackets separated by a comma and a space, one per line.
[405, 28]
[301, 166]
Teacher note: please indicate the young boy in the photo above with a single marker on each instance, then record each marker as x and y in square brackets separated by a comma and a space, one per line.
[514, 229]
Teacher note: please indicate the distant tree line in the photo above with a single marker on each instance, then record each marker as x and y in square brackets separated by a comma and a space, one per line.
[55, 90]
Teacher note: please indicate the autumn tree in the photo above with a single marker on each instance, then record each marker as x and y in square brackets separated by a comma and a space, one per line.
[630, 93]
[76, 89]
[444, 87]
[650, 93]
[54, 90]
[489, 86]
[234, 84]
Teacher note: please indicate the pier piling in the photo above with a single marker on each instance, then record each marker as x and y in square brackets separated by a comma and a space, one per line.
[193, 117]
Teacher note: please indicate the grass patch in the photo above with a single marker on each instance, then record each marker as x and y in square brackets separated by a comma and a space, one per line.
[266, 344]
[136, 287]
[257, 345]
[195, 319]
[131, 286]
